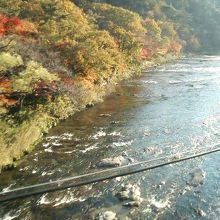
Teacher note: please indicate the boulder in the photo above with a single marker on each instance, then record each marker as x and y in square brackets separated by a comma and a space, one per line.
[133, 204]
[109, 162]
[112, 162]
[132, 193]
[197, 178]
[107, 215]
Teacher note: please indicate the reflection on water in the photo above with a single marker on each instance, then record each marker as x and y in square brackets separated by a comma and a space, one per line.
[169, 110]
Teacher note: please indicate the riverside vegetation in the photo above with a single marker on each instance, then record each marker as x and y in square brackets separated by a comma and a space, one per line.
[58, 57]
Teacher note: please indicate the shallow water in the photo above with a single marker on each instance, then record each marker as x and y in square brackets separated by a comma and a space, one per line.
[169, 110]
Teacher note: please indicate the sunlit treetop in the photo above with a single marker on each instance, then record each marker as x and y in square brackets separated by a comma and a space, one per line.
[57, 20]
[27, 80]
[153, 29]
[126, 19]
[96, 54]
[10, 7]
[167, 29]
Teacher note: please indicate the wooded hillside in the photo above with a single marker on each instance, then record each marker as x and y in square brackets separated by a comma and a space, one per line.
[57, 57]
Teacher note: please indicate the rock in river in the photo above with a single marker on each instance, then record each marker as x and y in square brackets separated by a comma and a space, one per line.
[107, 215]
[197, 178]
[112, 162]
[132, 193]
[200, 212]
[133, 204]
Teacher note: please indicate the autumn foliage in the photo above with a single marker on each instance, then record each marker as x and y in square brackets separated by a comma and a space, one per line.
[5, 93]
[8, 24]
[14, 25]
[93, 49]
[175, 47]
[58, 56]
[56, 45]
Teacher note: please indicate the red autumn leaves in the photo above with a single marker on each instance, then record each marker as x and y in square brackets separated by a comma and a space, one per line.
[14, 25]
[8, 25]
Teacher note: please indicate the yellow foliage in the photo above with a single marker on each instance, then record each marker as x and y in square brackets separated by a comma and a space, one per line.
[96, 52]
[161, 51]
[26, 28]
[10, 6]
[33, 73]
[8, 61]
[153, 28]
[57, 20]
[126, 19]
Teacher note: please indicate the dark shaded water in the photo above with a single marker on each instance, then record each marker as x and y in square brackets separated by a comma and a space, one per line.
[169, 110]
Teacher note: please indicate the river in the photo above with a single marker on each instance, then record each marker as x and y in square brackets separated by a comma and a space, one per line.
[168, 110]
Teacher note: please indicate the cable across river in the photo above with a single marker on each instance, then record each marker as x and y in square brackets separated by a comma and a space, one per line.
[105, 174]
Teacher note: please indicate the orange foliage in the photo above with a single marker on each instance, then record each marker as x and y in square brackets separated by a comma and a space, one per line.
[67, 80]
[8, 25]
[43, 88]
[175, 47]
[4, 84]
[3, 21]
[26, 29]
[87, 80]
[5, 88]
[146, 53]
[7, 101]
[14, 25]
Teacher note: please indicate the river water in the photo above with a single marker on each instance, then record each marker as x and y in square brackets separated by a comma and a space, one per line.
[168, 110]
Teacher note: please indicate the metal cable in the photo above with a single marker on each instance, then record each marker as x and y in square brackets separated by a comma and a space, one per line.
[100, 175]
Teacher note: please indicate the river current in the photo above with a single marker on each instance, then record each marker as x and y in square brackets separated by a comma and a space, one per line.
[168, 110]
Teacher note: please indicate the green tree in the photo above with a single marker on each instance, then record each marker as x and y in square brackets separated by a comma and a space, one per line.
[58, 21]
[10, 7]
[26, 81]
[153, 29]
[120, 17]
[125, 26]
[167, 29]
[96, 53]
